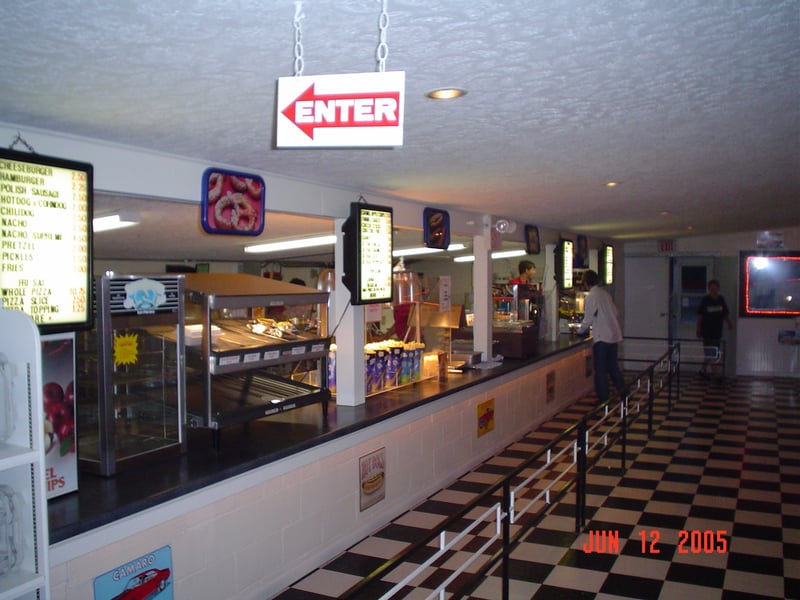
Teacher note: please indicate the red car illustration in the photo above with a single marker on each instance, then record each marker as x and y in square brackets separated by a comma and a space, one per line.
[144, 585]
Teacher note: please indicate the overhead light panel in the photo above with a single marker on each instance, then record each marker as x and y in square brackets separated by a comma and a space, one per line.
[418, 251]
[323, 240]
[116, 220]
[495, 255]
[508, 253]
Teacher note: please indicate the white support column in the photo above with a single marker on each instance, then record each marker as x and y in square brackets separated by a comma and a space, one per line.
[482, 278]
[550, 294]
[350, 389]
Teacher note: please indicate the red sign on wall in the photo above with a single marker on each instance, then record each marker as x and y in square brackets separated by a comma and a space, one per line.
[666, 245]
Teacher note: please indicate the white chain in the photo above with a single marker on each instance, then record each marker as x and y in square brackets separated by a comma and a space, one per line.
[298, 37]
[383, 48]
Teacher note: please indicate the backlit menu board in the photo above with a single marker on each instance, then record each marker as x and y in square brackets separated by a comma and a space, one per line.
[368, 253]
[46, 239]
[564, 255]
[606, 264]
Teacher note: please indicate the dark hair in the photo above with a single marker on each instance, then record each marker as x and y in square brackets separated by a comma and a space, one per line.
[713, 282]
[591, 278]
[524, 265]
[297, 281]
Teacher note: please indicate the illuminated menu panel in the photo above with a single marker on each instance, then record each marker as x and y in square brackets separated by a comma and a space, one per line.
[607, 261]
[45, 239]
[375, 254]
[567, 252]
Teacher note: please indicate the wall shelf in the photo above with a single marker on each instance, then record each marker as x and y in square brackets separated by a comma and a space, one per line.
[22, 470]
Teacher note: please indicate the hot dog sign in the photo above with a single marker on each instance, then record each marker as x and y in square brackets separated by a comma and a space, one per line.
[341, 111]
[372, 478]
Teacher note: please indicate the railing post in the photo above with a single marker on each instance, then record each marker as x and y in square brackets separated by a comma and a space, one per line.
[580, 483]
[623, 406]
[669, 382]
[506, 537]
[678, 371]
[651, 396]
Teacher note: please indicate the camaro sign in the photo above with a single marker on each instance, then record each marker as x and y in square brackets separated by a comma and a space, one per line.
[336, 111]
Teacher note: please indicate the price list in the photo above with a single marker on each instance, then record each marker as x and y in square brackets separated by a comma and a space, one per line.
[608, 265]
[376, 255]
[44, 240]
[566, 263]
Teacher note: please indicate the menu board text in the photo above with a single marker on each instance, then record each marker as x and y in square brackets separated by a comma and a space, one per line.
[45, 238]
[375, 235]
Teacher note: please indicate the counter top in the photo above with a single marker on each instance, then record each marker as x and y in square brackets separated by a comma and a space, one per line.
[103, 500]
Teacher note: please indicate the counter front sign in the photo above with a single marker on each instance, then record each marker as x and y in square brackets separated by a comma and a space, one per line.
[45, 239]
[341, 111]
[146, 576]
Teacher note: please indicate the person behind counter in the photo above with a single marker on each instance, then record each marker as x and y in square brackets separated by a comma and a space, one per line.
[602, 316]
[527, 269]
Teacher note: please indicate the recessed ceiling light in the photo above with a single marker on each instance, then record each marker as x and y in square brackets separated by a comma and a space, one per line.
[663, 213]
[613, 184]
[445, 93]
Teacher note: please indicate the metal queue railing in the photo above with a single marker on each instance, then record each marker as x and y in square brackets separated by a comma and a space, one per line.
[694, 353]
[516, 503]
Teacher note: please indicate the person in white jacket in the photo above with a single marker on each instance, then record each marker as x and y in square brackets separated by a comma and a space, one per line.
[602, 316]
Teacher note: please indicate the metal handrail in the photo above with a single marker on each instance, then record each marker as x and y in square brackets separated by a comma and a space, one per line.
[504, 510]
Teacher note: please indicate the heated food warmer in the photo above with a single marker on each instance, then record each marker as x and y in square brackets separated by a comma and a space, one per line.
[130, 396]
[246, 357]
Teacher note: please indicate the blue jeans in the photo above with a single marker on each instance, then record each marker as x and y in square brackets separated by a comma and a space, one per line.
[605, 366]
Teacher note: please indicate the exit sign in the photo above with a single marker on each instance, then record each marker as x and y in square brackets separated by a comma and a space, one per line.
[666, 245]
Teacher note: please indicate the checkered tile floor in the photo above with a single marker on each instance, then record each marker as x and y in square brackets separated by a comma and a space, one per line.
[708, 508]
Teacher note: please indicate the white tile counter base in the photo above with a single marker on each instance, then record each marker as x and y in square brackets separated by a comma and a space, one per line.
[249, 537]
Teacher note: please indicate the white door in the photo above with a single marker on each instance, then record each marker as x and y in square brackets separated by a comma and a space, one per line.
[646, 309]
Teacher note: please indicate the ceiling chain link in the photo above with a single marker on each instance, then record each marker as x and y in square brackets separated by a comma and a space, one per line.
[298, 38]
[383, 48]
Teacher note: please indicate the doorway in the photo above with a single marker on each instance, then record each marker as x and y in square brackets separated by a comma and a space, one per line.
[690, 276]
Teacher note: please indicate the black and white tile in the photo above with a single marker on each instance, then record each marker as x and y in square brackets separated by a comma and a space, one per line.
[709, 507]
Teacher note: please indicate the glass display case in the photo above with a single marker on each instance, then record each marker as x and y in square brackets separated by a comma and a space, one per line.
[131, 384]
[255, 347]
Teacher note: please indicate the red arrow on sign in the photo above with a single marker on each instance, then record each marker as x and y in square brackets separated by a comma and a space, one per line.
[372, 109]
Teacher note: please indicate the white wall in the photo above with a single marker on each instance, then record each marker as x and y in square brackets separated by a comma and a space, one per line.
[249, 537]
[758, 352]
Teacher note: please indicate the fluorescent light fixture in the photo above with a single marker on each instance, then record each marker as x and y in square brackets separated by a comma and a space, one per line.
[508, 253]
[323, 240]
[419, 250]
[117, 220]
[495, 255]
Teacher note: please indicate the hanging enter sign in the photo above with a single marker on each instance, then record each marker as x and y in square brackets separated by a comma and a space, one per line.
[341, 111]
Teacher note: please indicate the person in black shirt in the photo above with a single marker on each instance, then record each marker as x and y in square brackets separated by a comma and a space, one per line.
[711, 314]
